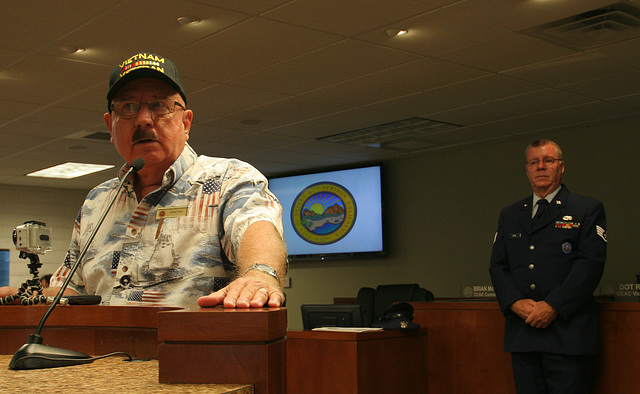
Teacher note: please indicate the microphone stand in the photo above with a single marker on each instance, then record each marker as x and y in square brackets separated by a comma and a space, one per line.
[35, 355]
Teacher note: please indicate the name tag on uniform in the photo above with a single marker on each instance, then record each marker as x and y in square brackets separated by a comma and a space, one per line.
[515, 235]
[171, 212]
[567, 225]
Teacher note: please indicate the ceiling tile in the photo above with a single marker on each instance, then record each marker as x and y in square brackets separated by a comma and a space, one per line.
[310, 128]
[214, 66]
[300, 108]
[356, 92]
[352, 58]
[350, 18]
[420, 104]
[489, 88]
[286, 79]
[433, 33]
[468, 135]
[625, 53]
[257, 35]
[541, 100]
[234, 97]
[424, 74]
[160, 21]
[474, 114]
[522, 14]
[508, 51]
[569, 69]
[608, 87]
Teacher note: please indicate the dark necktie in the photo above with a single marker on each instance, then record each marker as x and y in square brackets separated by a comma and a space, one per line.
[542, 205]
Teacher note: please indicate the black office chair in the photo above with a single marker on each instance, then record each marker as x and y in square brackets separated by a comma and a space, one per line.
[374, 302]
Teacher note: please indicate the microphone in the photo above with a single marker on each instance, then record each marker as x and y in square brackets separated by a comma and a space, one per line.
[35, 355]
[135, 166]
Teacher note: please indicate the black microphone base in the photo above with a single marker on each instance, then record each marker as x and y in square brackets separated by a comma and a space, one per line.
[37, 356]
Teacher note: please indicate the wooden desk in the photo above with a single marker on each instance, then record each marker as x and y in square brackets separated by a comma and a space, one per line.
[466, 347]
[110, 375]
[209, 345]
[370, 362]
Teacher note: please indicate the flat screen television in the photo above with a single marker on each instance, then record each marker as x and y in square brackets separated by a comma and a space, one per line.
[331, 315]
[332, 214]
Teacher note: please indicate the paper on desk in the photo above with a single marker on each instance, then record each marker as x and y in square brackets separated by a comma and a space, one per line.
[347, 329]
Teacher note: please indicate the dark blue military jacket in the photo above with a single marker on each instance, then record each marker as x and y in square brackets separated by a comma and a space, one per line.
[560, 261]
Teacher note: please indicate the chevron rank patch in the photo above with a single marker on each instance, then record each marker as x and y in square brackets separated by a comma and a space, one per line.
[602, 233]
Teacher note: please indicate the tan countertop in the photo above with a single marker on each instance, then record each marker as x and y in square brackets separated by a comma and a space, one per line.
[109, 375]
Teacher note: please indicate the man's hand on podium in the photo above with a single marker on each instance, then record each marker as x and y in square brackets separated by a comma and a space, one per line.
[6, 291]
[246, 292]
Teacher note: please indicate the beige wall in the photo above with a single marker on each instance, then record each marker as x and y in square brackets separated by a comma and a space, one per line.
[441, 211]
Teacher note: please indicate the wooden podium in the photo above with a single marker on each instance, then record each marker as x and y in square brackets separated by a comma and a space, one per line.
[393, 361]
[208, 345]
[216, 345]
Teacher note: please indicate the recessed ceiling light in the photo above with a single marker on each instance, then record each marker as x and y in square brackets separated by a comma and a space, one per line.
[70, 49]
[188, 20]
[69, 170]
[396, 32]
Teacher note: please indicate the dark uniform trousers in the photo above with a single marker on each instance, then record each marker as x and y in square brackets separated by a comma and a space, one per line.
[551, 373]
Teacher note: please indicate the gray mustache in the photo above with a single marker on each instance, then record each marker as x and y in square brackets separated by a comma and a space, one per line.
[143, 134]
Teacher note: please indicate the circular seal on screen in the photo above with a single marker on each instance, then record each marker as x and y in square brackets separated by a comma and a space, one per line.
[323, 213]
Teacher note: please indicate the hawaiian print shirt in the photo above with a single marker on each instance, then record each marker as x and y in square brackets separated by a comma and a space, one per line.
[170, 248]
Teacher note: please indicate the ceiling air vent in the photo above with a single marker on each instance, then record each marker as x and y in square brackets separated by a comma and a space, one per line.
[406, 135]
[602, 26]
[99, 135]
[90, 135]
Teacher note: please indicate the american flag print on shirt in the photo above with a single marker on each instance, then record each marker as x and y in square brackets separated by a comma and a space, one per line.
[223, 197]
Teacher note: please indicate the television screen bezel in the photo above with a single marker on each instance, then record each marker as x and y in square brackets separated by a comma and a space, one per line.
[343, 255]
[353, 310]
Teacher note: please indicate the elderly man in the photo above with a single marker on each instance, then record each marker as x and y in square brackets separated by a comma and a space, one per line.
[548, 258]
[182, 223]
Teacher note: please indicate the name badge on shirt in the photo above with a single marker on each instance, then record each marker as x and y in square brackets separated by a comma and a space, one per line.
[171, 212]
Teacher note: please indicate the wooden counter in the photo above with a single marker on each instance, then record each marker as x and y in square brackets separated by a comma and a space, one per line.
[208, 345]
[465, 344]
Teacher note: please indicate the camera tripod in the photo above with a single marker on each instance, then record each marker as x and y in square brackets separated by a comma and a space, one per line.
[30, 293]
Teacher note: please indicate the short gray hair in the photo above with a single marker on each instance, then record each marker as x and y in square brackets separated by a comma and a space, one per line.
[542, 142]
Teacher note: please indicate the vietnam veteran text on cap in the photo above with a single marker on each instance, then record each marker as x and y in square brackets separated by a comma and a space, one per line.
[144, 64]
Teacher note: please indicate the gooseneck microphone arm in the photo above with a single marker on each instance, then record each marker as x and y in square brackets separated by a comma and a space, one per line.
[34, 355]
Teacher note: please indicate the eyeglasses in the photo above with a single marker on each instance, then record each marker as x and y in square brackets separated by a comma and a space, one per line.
[547, 162]
[130, 109]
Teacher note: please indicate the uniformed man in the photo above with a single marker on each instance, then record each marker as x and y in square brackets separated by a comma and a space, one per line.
[547, 260]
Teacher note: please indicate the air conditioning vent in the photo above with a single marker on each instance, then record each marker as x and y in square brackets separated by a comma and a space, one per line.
[406, 135]
[591, 29]
[100, 135]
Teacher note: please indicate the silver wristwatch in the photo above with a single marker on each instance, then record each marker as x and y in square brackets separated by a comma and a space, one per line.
[264, 268]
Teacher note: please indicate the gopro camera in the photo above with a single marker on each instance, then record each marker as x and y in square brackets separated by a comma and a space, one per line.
[32, 237]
